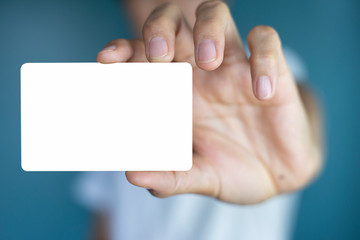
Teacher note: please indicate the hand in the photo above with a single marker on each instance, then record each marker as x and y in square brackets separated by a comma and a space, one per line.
[252, 136]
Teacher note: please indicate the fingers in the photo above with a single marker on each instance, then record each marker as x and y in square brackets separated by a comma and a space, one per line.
[215, 36]
[168, 37]
[165, 28]
[122, 50]
[163, 184]
[267, 61]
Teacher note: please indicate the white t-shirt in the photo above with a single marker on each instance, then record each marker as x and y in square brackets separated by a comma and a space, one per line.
[135, 214]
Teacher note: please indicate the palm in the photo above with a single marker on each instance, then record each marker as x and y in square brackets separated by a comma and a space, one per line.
[243, 142]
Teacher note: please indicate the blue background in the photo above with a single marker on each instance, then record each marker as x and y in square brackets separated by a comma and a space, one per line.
[325, 33]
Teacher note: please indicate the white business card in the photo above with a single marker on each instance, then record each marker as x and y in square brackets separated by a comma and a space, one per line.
[106, 117]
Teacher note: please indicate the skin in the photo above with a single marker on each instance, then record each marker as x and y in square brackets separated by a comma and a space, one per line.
[250, 142]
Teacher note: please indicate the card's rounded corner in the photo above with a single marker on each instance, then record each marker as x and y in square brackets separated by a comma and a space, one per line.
[24, 167]
[188, 65]
[23, 66]
[188, 168]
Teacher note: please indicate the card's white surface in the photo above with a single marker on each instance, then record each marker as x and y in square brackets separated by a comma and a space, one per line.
[106, 117]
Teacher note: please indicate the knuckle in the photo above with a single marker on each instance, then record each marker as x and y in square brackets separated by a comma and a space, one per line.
[162, 17]
[210, 6]
[158, 23]
[263, 31]
[164, 9]
[156, 20]
[268, 58]
[212, 17]
[211, 26]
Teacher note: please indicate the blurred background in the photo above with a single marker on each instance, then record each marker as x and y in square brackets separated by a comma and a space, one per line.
[326, 34]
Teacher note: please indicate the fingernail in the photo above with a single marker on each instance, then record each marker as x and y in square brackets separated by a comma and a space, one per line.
[108, 48]
[158, 47]
[206, 51]
[263, 87]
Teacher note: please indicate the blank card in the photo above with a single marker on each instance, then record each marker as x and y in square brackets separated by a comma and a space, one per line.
[106, 117]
